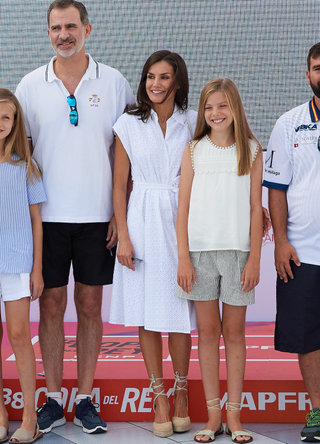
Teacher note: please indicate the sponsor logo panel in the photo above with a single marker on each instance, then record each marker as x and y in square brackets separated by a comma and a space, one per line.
[125, 400]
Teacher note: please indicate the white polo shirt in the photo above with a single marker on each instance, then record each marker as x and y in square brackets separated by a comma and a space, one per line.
[293, 164]
[76, 160]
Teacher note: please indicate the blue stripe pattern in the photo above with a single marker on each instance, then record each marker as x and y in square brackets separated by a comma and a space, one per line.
[16, 242]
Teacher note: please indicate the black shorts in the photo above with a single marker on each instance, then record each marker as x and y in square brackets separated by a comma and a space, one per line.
[298, 311]
[83, 245]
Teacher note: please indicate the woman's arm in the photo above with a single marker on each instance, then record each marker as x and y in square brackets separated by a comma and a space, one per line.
[121, 171]
[36, 279]
[251, 272]
[186, 274]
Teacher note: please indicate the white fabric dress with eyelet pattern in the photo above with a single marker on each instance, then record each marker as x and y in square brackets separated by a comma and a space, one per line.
[146, 297]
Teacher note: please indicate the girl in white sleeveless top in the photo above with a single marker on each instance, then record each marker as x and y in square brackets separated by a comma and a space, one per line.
[219, 230]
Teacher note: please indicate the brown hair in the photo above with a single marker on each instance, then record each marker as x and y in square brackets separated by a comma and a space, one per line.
[242, 131]
[16, 142]
[144, 104]
[314, 53]
[64, 4]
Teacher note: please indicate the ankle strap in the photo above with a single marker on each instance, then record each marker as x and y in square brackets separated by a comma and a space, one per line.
[178, 378]
[233, 406]
[152, 386]
[215, 406]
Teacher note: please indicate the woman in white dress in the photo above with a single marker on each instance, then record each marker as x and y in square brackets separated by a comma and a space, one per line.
[150, 141]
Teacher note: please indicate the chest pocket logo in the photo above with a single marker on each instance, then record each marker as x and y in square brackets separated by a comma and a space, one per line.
[94, 100]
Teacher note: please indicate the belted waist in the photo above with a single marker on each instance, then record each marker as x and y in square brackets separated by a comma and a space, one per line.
[158, 186]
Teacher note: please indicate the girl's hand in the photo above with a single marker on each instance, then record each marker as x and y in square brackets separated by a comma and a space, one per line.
[250, 276]
[266, 222]
[36, 284]
[186, 275]
[125, 253]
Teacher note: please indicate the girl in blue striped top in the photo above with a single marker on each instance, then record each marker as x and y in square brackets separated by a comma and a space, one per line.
[21, 191]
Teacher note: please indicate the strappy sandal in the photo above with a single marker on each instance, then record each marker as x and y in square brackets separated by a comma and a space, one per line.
[233, 406]
[163, 429]
[22, 436]
[4, 434]
[206, 432]
[180, 425]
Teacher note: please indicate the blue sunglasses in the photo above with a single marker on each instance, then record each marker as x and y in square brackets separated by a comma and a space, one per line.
[73, 116]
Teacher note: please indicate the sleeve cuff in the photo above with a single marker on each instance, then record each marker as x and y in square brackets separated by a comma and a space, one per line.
[277, 186]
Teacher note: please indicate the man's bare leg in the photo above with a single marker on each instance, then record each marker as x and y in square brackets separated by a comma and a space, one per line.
[310, 370]
[53, 304]
[88, 301]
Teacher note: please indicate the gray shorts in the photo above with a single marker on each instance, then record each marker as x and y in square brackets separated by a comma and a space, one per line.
[218, 275]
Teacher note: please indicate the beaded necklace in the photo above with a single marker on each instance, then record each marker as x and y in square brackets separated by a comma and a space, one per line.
[220, 147]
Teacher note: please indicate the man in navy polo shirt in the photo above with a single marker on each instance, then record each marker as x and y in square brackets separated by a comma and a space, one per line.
[292, 174]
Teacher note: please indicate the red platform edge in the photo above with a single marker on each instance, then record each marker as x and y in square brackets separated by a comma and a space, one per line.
[273, 389]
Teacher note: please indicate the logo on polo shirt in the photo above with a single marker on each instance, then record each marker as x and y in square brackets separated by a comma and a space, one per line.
[309, 127]
[94, 100]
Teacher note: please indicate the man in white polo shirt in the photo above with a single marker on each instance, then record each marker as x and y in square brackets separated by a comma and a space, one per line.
[70, 106]
[292, 174]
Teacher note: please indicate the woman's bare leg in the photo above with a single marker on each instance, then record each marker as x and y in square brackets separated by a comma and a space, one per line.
[151, 347]
[180, 349]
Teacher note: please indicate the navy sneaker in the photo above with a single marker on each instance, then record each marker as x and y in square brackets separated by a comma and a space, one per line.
[88, 418]
[311, 431]
[50, 415]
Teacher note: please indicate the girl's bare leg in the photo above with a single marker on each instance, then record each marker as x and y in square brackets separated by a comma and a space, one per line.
[180, 348]
[233, 330]
[3, 411]
[18, 328]
[209, 331]
[151, 347]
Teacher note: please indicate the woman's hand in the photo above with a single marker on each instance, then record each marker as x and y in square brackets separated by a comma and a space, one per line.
[125, 253]
[186, 275]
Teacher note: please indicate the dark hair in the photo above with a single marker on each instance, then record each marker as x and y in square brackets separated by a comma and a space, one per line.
[144, 104]
[314, 53]
[64, 4]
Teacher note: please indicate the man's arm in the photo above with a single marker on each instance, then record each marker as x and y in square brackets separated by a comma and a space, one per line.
[284, 251]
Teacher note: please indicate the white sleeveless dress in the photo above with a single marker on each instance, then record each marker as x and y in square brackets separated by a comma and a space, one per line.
[146, 296]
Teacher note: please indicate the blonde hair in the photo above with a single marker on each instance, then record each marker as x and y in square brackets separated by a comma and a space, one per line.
[242, 131]
[16, 142]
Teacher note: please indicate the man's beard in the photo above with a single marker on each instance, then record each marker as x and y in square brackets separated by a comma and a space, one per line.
[315, 88]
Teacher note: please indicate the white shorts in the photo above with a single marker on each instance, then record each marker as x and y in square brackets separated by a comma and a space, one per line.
[14, 286]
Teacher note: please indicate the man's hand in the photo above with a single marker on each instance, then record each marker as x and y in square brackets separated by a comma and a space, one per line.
[112, 235]
[283, 252]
